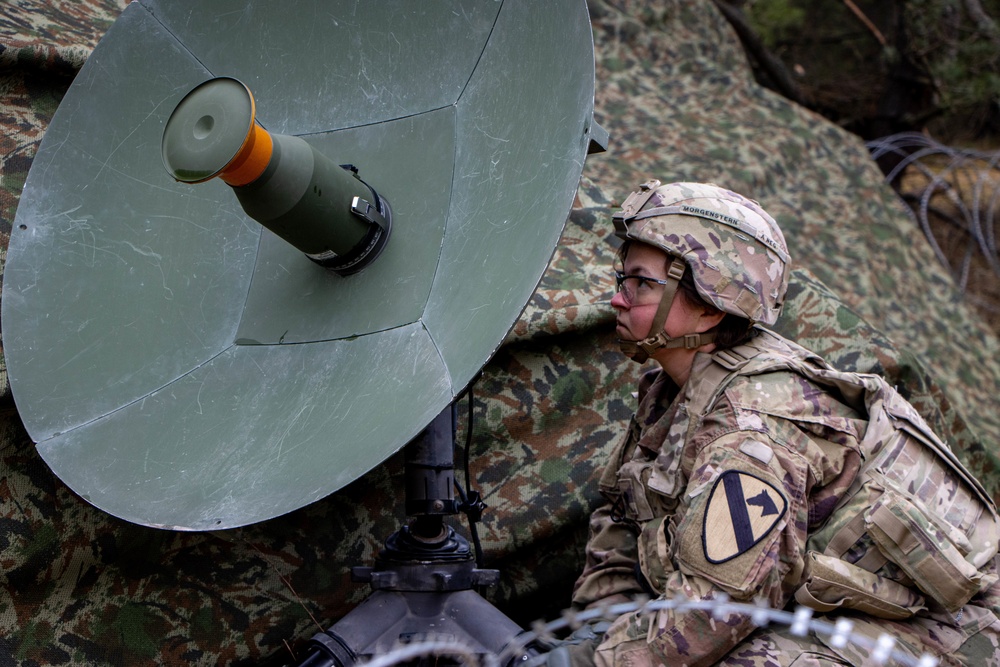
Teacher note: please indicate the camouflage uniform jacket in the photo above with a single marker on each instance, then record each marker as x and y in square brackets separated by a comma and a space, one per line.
[724, 504]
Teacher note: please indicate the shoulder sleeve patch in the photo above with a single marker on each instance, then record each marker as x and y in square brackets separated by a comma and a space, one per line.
[742, 510]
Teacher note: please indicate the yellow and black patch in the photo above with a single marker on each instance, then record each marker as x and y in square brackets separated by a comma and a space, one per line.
[742, 509]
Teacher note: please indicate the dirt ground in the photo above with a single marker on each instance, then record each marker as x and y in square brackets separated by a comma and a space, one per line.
[955, 198]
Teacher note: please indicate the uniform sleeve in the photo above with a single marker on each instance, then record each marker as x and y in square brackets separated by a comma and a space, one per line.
[609, 575]
[692, 638]
[739, 530]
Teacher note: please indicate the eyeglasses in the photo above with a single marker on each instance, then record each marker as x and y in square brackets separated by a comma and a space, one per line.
[633, 286]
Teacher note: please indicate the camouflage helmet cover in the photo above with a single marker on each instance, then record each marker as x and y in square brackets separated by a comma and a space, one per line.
[734, 249]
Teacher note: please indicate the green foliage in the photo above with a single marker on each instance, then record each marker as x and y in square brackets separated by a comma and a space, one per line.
[856, 62]
[775, 20]
[962, 54]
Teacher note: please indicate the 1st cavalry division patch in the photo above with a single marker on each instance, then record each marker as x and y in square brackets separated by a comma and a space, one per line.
[742, 510]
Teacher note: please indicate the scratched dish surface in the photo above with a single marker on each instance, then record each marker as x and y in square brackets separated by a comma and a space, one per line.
[675, 93]
[181, 367]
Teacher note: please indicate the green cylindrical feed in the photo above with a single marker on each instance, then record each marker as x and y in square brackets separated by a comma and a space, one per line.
[281, 181]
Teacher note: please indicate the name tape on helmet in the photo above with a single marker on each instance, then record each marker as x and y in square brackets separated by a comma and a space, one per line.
[715, 216]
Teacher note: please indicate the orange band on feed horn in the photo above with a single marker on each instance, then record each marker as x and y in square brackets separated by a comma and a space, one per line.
[252, 158]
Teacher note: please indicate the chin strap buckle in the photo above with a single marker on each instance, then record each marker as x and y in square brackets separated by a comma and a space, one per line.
[641, 351]
[692, 341]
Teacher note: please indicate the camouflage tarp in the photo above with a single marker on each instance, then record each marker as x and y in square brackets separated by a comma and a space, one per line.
[676, 95]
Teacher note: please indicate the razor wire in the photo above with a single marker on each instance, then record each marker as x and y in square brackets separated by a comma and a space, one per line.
[881, 651]
[962, 189]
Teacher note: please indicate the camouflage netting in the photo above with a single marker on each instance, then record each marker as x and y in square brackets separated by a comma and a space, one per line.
[678, 99]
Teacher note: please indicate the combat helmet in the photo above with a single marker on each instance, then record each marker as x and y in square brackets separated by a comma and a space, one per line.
[735, 251]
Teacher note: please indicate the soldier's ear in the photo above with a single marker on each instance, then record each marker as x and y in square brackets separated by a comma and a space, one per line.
[708, 319]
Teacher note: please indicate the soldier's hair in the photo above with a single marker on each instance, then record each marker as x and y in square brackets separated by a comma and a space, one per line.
[733, 330]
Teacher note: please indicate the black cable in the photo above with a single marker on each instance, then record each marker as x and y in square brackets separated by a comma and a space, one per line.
[468, 435]
[472, 502]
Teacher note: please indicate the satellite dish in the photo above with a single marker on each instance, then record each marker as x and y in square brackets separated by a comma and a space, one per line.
[181, 366]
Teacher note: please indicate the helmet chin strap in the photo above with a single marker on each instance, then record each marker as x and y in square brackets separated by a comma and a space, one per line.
[641, 350]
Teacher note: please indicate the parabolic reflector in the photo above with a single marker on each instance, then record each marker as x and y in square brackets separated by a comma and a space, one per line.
[180, 366]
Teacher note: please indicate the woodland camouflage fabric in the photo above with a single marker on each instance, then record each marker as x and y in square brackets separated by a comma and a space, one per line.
[676, 95]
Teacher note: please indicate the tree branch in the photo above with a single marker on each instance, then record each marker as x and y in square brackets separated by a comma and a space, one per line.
[983, 22]
[868, 23]
[767, 61]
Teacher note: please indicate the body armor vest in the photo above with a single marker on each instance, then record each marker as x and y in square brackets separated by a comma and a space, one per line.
[915, 528]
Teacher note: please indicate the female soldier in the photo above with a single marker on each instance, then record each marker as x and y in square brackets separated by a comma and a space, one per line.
[729, 481]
